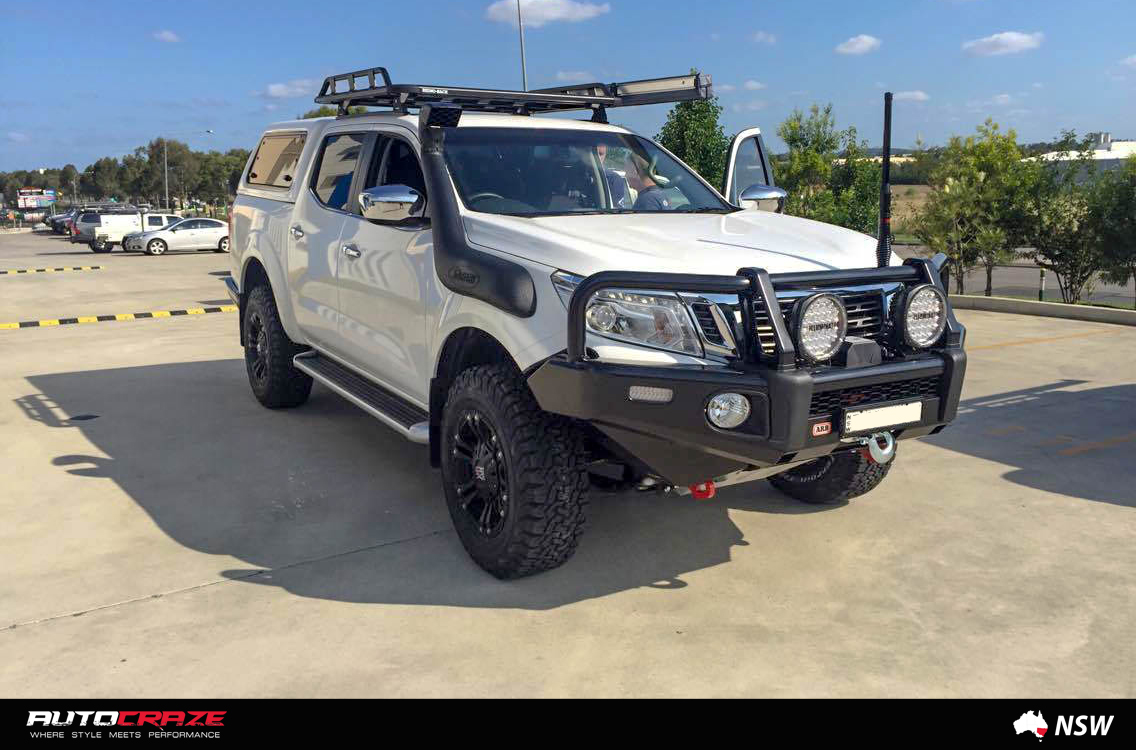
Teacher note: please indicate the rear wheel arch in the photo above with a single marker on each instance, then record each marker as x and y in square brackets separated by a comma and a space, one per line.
[464, 348]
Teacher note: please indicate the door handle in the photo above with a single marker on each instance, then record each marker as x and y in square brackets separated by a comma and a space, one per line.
[297, 233]
[351, 251]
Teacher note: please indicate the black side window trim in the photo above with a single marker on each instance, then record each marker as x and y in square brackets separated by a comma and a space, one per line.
[368, 139]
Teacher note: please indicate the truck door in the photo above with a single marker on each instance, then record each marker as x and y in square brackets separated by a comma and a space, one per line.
[313, 237]
[382, 273]
[748, 165]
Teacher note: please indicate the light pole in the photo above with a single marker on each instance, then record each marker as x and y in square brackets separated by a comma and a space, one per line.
[521, 27]
[165, 159]
[75, 183]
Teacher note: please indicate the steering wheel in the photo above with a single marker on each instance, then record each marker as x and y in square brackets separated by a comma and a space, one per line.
[482, 196]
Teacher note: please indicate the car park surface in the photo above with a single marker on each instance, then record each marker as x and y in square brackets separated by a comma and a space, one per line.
[141, 559]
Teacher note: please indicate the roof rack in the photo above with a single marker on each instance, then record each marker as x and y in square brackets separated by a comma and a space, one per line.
[373, 88]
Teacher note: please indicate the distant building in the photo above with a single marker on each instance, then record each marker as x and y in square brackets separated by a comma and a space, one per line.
[1107, 154]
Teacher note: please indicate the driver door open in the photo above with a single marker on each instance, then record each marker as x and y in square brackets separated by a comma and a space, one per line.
[748, 165]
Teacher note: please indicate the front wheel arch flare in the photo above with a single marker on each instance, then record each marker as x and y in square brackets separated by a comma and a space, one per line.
[463, 348]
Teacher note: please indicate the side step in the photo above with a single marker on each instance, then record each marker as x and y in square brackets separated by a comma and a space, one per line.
[388, 407]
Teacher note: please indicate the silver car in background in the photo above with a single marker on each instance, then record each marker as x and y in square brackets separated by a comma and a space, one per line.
[187, 234]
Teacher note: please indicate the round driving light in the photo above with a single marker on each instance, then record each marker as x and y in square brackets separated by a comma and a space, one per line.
[820, 325]
[924, 316]
[602, 316]
[727, 410]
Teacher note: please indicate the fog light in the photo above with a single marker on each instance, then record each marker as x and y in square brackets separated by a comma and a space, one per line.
[650, 394]
[727, 410]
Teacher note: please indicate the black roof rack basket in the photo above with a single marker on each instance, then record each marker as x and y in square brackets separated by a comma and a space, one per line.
[373, 88]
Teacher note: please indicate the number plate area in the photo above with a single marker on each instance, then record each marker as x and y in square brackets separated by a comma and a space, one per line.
[863, 420]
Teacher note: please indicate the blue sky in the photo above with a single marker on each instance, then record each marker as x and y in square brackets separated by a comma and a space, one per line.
[83, 79]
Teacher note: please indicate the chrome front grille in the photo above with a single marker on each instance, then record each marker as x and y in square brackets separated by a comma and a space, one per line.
[865, 310]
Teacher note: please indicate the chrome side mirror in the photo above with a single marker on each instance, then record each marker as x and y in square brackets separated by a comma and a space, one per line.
[758, 193]
[391, 204]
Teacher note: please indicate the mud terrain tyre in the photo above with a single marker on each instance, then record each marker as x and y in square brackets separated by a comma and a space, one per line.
[833, 479]
[515, 477]
[268, 354]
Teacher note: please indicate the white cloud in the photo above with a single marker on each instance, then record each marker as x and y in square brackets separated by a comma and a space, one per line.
[724, 88]
[858, 45]
[911, 96]
[574, 76]
[998, 100]
[537, 13]
[1004, 43]
[750, 106]
[764, 37]
[752, 85]
[15, 137]
[1130, 61]
[165, 35]
[291, 89]
[1041, 86]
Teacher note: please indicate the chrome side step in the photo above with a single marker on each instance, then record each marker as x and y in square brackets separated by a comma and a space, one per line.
[410, 420]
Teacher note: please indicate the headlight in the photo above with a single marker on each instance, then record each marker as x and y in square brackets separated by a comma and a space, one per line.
[820, 323]
[658, 320]
[924, 316]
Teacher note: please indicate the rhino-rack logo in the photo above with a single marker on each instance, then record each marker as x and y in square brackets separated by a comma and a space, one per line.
[126, 718]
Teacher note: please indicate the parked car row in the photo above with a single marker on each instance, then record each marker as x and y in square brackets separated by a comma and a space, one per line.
[134, 229]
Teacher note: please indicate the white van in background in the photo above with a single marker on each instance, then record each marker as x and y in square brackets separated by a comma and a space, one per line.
[102, 230]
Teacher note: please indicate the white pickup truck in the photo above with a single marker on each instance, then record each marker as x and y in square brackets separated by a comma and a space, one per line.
[551, 304]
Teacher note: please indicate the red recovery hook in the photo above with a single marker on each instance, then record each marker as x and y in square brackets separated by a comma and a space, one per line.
[703, 490]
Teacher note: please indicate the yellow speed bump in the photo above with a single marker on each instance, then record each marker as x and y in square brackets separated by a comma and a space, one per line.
[117, 317]
[23, 271]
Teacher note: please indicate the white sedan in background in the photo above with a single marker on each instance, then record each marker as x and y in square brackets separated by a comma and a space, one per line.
[187, 234]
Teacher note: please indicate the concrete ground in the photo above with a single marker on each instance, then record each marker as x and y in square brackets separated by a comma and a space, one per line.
[165, 535]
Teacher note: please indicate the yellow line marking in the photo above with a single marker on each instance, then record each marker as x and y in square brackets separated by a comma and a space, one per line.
[43, 323]
[228, 308]
[1004, 431]
[124, 316]
[1023, 342]
[88, 319]
[1077, 450]
[160, 314]
[195, 311]
[6, 326]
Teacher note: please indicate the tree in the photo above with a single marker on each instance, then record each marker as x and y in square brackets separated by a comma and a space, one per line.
[692, 133]
[827, 172]
[991, 251]
[1057, 221]
[325, 110]
[950, 220]
[1112, 211]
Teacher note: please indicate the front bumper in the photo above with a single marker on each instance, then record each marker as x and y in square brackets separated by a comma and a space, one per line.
[790, 403]
[677, 442]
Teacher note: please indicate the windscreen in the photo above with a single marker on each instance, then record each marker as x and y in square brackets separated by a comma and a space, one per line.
[544, 172]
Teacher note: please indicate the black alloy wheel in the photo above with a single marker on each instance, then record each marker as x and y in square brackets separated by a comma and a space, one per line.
[481, 474]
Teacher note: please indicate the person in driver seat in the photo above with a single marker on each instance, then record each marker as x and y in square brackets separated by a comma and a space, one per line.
[651, 196]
